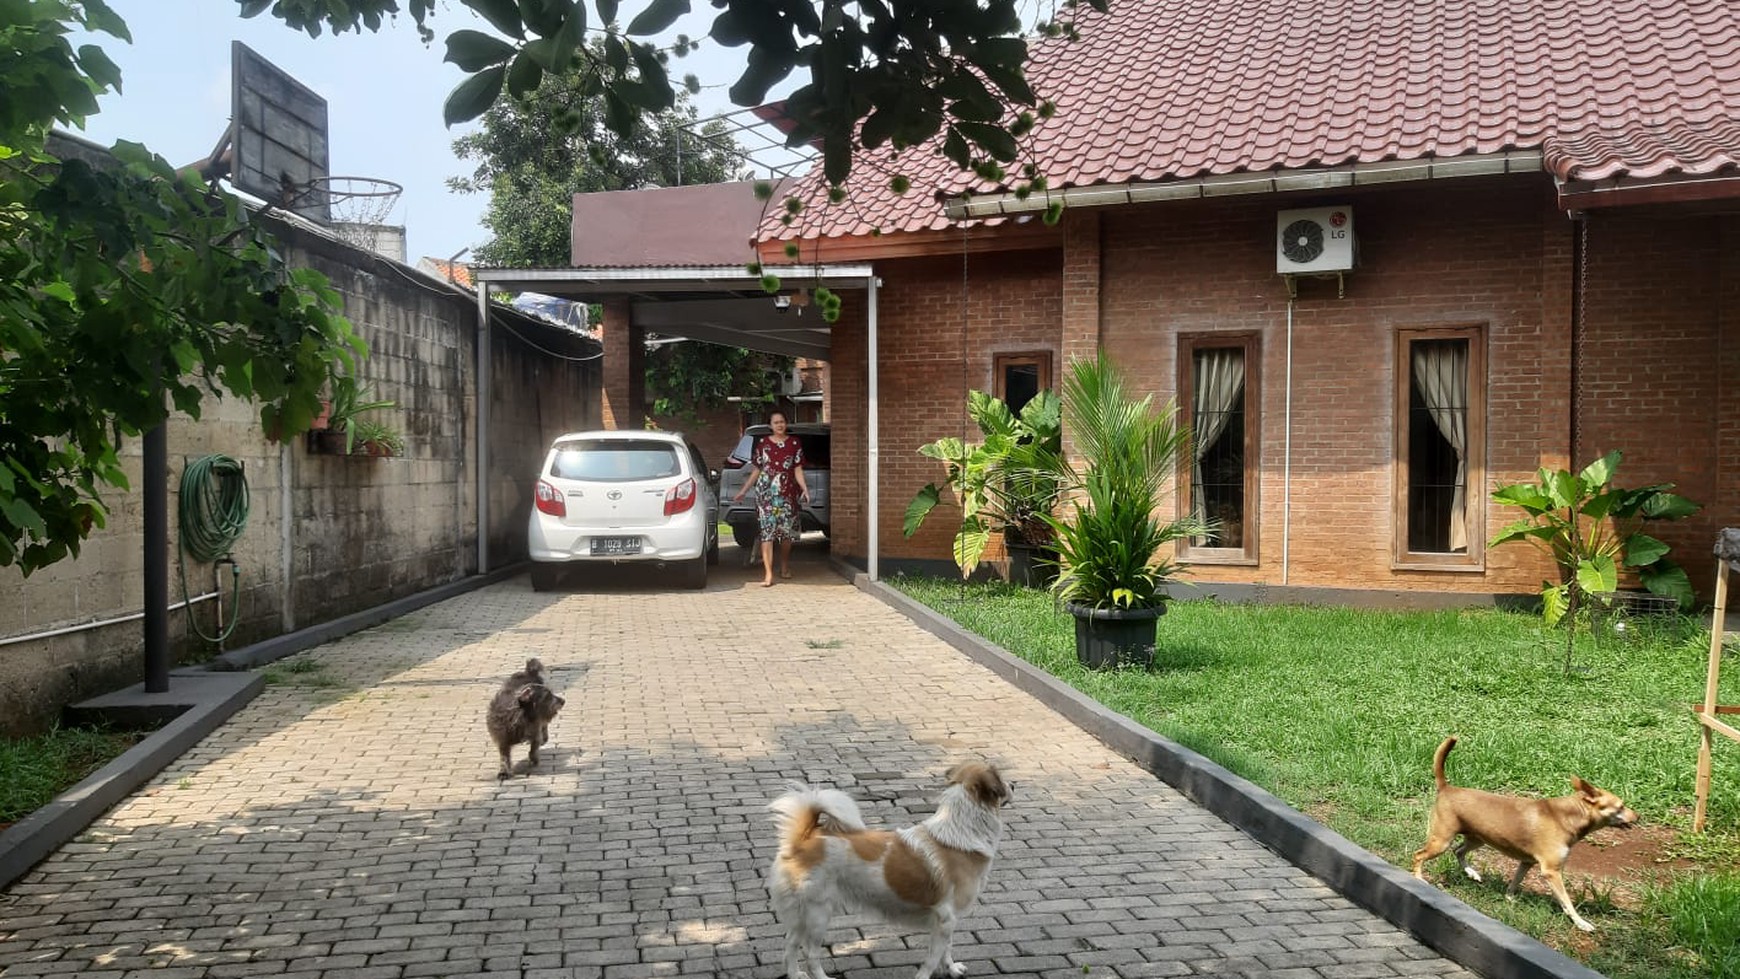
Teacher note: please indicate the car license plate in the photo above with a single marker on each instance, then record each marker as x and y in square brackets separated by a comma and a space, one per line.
[604, 546]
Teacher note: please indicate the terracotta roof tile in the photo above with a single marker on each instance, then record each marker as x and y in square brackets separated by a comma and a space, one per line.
[1174, 89]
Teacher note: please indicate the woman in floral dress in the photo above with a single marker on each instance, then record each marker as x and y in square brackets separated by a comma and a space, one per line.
[778, 478]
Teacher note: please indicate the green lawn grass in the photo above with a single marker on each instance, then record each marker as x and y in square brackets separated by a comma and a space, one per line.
[1338, 712]
[34, 770]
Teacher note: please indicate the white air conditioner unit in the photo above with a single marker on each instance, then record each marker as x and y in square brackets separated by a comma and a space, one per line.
[1314, 239]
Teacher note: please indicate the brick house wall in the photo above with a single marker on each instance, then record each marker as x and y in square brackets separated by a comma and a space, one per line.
[1657, 373]
[1656, 366]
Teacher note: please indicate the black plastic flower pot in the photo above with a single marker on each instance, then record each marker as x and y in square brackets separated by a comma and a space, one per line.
[1106, 638]
[1029, 566]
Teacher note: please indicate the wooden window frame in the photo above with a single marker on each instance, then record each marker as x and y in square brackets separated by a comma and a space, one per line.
[1000, 363]
[1188, 344]
[1474, 465]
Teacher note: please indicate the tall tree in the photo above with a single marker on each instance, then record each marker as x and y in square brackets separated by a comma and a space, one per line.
[880, 72]
[532, 155]
[126, 289]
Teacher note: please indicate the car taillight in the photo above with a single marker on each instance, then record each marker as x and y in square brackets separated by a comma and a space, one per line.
[732, 462]
[548, 499]
[680, 498]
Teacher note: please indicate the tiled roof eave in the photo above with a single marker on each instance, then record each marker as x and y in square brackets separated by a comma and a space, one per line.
[1271, 182]
[1577, 195]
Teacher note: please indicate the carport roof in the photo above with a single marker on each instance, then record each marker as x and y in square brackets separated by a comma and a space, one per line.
[715, 303]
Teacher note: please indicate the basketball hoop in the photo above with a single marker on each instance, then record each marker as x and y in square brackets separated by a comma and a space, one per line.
[354, 208]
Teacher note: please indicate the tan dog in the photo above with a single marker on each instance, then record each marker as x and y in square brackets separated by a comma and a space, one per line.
[1534, 831]
[925, 875]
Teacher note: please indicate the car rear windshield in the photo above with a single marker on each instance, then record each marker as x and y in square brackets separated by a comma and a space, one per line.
[616, 461]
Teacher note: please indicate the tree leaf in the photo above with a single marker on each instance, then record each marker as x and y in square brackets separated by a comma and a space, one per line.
[956, 149]
[1520, 530]
[547, 52]
[1600, 505]
[607, 12]
[922, 503]
[970, 545]
[659, 15]
[1597, 575]
[764, 71]
[836, 158]
[618, 114]
[97, 65]
[474, 51]
[1555, 601]
[1562, 488]
[1667, 578]
[878, 126]
[994, 140]
[1668, 506]
[474, 96]
[504, 15]
[99, 18]
[1011, 82]
[544, 17]
[568, 40]
[524, 76]
[1642, 549]
[1600, 472]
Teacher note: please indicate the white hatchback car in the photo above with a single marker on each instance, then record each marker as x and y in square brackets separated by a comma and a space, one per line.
[620, 496]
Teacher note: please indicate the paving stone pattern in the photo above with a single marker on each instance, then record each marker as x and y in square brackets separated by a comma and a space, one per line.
[348, 823]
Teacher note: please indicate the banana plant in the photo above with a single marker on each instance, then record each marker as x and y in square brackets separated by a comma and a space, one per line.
[998, 484]
[1591, 528]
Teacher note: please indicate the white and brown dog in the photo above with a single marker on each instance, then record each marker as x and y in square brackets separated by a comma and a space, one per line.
[925, 875]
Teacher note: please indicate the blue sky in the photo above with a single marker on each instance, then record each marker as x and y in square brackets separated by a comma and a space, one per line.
[383, 92]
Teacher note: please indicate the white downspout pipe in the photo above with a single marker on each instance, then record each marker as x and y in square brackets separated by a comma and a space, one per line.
[1287, 452]
[872, 510]
[482, 414]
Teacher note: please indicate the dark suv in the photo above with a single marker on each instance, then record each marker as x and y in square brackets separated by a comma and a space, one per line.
[741, 515]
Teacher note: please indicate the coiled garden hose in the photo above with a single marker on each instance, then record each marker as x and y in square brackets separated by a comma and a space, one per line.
[214, 512]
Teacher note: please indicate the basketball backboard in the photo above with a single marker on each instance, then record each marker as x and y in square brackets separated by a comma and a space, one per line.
[278, 134]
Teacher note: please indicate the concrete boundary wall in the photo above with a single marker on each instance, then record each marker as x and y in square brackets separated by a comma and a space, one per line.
[327, 535]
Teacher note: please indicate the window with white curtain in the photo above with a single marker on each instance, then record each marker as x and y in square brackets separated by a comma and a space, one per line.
[1440, 435]
[1218, 482]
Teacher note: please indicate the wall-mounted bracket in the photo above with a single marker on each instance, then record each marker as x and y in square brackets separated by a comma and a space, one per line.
[1292, 279]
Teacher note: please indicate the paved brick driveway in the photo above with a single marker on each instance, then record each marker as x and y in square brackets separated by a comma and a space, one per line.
[348, 823]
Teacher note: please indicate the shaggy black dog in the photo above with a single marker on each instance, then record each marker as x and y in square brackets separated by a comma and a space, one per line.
[533, 673]
[521, 715]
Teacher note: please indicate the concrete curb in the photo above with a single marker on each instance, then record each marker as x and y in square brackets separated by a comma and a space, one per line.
[278, 647]
[1445, 923]
[205, 700]
[199, 700]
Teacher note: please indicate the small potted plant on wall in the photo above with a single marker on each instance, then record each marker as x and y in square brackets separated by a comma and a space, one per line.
[1000, 485]
[1111, 537]
[375, 438]
[349, 400]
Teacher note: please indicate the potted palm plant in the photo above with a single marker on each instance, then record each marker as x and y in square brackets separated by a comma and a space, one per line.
[1111, 537]
[1000, 485]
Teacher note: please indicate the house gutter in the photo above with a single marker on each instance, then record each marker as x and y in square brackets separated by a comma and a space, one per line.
[967, 206]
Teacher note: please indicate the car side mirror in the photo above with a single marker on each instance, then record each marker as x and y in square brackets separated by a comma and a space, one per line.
[713, 476]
